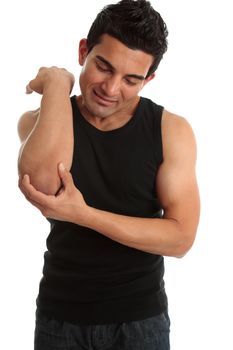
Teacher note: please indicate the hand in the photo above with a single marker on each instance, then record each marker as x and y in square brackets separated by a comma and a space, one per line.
[67, 205]
[47, 76]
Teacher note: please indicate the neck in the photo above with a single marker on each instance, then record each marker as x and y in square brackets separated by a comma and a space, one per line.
[111, 122]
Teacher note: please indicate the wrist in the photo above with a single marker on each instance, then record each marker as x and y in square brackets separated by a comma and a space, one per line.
[57, 87]
[55, 79]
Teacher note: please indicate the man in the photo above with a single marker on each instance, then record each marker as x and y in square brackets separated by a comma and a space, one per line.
[114, 173]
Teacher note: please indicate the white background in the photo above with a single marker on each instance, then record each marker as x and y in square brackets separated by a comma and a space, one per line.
[193, 80]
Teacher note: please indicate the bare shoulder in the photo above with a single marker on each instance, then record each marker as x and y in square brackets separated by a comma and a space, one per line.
[178, 136]
[26, 123]
[175, 124]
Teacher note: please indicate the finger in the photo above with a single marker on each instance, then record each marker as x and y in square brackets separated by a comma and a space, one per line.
[60, 191]
[21, 184]
[65, 176]
[32, 194]
[44, 211]
[35, 204]
[25, 186]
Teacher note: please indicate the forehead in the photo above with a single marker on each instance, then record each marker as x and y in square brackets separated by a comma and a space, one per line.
[121, 57]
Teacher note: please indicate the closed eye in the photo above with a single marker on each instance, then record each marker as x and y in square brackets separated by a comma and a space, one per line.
[102, 68]
[130, 82]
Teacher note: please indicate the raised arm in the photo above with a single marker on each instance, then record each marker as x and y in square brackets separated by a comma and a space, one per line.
[47, 133]
[26, 123]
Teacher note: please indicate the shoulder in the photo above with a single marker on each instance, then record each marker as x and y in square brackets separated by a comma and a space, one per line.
[177, 136]
[173, 123]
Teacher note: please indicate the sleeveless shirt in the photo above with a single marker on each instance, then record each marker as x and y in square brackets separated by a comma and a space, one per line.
[87, 277]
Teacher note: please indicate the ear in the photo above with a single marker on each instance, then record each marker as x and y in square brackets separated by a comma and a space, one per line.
[82, 52]
[149, 79]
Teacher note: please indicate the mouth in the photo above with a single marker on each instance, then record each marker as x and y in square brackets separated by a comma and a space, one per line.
[103, 100]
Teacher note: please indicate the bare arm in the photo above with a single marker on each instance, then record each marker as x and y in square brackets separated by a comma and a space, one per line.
[26, 123]
[47, 134]
[178, 193]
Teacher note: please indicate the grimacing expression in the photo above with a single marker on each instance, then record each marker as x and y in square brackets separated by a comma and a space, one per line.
[112, 76]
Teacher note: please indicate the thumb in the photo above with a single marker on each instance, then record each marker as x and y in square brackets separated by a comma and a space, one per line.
[65, 175]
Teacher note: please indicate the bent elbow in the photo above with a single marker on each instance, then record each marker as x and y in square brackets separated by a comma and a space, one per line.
[47, 184]
[46, 181]
[184, 246]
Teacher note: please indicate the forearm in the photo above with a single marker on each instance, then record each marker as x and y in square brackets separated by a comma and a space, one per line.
[156, 236]
[50, 141]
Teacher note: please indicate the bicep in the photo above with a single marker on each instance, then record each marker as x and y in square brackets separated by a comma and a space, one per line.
[176, 182]
[26, 124]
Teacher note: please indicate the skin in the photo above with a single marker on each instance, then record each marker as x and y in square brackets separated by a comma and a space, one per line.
[110, 84]
[110, 81]
[44, 143]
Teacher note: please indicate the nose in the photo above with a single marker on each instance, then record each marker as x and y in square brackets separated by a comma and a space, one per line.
[111, 86]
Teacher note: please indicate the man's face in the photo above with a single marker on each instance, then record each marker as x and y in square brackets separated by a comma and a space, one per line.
[111, 77]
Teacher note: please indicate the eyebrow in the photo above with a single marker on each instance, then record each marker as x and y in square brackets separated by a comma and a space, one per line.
[110, 66]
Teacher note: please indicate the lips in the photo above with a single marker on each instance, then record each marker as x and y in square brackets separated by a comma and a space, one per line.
[103, 100]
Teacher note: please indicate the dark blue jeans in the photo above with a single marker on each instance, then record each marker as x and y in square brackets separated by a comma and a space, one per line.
[148, 334]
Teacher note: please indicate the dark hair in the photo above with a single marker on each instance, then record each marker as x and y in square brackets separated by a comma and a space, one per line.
[136, 24]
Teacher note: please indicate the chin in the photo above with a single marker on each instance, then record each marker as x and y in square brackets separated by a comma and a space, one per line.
[102, 113]
[99, 111]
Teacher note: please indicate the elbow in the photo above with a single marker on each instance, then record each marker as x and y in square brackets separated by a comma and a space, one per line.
[183, 238]
[45, 181]
[184, 245]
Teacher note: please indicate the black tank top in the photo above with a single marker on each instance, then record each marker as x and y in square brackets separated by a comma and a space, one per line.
[87, 277]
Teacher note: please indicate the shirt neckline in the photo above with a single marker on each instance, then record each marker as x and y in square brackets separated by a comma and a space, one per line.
[121, 129]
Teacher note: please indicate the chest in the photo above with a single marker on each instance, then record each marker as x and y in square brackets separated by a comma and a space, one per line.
[116, 172]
